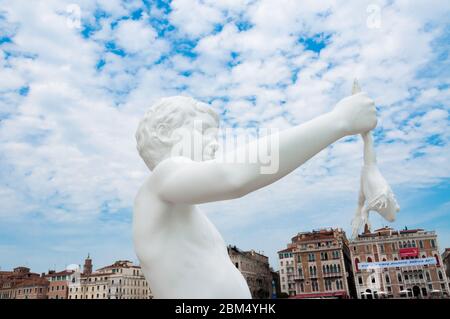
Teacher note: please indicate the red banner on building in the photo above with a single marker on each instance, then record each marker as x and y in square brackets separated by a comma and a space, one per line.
[409, 252]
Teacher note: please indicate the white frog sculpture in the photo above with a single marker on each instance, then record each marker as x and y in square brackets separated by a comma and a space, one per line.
[375, 194]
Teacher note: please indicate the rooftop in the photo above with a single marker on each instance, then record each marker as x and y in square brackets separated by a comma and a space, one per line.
[286, 250]
[388, 231]
[318, 234]
[247, 253]
[120, 264]
[59, 273]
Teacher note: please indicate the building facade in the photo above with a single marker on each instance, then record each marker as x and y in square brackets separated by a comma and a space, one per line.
[387, 245]
[317, 264]
[256, 271]
[446, 261]
[121, 280]
[58, 287]
[21, 284]
[33, 288]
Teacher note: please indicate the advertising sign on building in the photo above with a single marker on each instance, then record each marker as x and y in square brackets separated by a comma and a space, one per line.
[398, 263]
[409, 252]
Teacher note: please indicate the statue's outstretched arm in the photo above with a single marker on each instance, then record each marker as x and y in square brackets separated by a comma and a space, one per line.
[185, 181]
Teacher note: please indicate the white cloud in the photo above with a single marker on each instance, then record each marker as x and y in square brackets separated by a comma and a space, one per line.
[135, 36]
[194, 18]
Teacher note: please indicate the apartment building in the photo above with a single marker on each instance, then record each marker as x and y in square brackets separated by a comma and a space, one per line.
[390, 263]
[121, 280]
[255, 269]
[317, 264]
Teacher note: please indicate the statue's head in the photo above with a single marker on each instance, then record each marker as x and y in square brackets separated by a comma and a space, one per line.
[172, 125]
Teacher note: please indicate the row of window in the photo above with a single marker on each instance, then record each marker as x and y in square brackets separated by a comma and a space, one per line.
[327, 269]
[285, 255]
[86, 289]
[409, 275]
[423, 290]
[317, 245]
[30, 290]
[57, 288]
[97, 296]
[339, 284]
[323, 255]
[136, 282]
[401, 244]
[329, 284]
[58, 278]
[311, 256]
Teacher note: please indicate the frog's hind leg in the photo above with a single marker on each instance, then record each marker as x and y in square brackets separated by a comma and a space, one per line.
[357, 221]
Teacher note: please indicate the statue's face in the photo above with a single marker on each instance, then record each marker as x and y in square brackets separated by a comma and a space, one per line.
[197, 138]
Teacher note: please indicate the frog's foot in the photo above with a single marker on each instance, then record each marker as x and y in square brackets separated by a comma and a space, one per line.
[382, 202]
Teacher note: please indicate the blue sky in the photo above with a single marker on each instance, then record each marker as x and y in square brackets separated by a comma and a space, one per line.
[76, 77]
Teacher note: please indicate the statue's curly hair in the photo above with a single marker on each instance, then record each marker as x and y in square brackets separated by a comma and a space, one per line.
[172, 111]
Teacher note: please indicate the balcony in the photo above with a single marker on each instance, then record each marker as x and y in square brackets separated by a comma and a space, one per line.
[332, 274]
[299, 277]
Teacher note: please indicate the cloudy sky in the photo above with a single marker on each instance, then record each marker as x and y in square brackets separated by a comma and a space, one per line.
[76, 77]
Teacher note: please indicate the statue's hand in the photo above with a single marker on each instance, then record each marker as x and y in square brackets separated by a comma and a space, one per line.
[356, 114]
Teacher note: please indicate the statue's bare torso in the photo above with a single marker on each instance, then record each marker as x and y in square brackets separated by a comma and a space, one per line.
[182, 251]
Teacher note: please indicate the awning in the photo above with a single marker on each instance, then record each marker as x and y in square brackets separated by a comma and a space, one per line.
[405, 291]
[320, 295]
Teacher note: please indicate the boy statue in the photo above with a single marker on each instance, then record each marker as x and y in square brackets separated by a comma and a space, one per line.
[181, 252]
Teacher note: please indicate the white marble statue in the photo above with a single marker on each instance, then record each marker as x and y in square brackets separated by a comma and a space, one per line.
[375, 194]
[181, 252]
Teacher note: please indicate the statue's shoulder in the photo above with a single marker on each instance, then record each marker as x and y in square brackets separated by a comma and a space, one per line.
[163, 172]
[168, 166]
